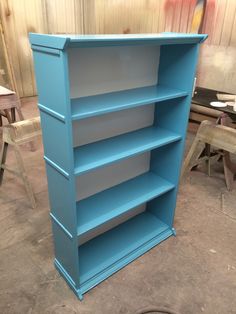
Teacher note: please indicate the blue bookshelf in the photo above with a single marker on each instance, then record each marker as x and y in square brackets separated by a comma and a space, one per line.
[114, 112]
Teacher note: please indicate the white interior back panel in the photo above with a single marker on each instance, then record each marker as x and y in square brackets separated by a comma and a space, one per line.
[115, 222]
[101, 127]
[102, 178]
[101, 70]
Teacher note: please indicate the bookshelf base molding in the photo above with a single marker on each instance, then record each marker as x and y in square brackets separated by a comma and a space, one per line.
[113, 268]
[68, 279]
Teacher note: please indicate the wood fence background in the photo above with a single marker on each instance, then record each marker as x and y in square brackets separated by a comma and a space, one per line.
[217, 64]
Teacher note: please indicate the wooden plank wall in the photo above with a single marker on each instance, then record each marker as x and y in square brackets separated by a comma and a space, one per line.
[5, 79]
[24, 16]
[121, 16]
[18, 18]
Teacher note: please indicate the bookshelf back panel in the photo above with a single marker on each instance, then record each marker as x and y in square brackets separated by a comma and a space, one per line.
[101, 127]
[101, 70]
[103, 178]
[112, 224]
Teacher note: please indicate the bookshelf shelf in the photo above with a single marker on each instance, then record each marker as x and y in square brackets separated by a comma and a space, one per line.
[90, 106]
[117, 244]
[106, 205]
[101, 153]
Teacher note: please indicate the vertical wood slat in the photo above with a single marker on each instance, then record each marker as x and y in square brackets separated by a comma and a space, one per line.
[184, 16]
[233, 33]
[218, 22]
[190, 14]
[9, 33]
[228, 23]
[18, 18]
[177, 16]
[169, 9]
[7, 79]
[123, 16]
[209, 19]
[43, 16]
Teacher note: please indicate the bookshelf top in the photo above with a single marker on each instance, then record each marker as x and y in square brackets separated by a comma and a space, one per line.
[64, 41]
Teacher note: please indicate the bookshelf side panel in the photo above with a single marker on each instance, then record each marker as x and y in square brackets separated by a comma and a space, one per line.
[177, 69]
[54, 103]
[50, 79]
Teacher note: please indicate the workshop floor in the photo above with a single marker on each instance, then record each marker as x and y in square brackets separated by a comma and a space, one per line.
[192, 273]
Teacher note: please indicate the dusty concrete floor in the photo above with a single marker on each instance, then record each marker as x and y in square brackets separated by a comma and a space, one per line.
[194, 272]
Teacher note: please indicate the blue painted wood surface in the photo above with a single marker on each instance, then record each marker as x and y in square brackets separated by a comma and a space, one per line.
[109, 204]
[53, 88]
[99, 104]
[115, 244]
[92, 156]
[179, 62]
[85, 265]
[63, 42]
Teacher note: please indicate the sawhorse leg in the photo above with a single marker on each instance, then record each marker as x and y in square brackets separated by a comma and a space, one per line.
[24, 177]
[194, 153]
[21, 173]
[229, 167]
[20, 114]
[229, 170]
[3, 160]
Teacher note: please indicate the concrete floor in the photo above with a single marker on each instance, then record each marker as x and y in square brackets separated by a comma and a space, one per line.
[194, 272]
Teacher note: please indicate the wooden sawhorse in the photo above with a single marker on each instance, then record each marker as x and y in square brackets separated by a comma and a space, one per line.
[10, 102]
[16, 134]
[221, 137]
